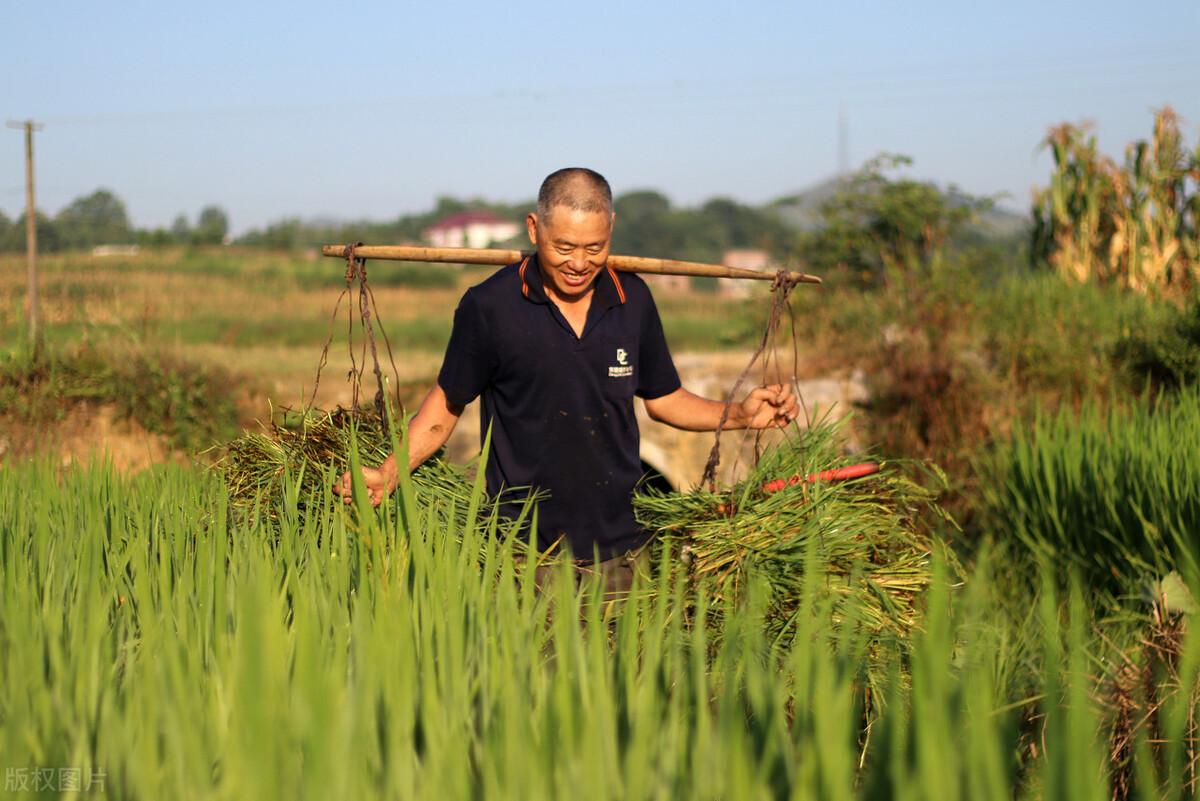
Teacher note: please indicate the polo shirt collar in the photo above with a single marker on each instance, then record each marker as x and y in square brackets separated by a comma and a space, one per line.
[607, 285]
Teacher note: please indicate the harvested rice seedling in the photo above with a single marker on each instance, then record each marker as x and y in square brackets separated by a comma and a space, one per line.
[305, 452]
[865, 535]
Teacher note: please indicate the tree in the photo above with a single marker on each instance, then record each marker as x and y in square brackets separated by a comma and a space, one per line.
[643, 224]
[95, 219]
[48, 237]
[211, 226]
[876, 226]
[180, 230]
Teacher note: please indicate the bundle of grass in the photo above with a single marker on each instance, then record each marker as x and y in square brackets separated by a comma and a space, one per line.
[863, 545]
[312, 448]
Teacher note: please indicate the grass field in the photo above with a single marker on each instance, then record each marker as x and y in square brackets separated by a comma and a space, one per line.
[177, 651]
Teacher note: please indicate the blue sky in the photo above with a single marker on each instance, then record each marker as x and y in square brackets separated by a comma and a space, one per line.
[277, 109]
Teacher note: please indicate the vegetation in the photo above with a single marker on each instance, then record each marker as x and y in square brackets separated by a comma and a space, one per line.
[1137, 225]
[870, 537]
[100, 219]
[306, 451]
[191, 406]
[874, 228]
[1114, 494]
[1167, 355]
[188, 653]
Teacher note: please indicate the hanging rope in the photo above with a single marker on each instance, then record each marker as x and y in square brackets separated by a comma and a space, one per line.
[356, 271]
[781, 290]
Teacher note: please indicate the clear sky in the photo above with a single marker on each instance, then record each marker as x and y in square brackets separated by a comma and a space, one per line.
[372, 110]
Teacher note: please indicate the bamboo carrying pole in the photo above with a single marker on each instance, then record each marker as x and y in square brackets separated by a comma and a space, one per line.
[626, 264]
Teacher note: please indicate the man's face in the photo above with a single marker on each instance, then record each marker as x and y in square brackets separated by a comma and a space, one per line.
[572, 248]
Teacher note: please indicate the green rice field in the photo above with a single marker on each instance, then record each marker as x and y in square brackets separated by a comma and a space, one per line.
[165, 644]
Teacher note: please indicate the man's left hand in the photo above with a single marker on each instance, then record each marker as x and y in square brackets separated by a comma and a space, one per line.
[772, 406]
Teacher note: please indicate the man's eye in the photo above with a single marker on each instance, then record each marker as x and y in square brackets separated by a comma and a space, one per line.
[594, 249]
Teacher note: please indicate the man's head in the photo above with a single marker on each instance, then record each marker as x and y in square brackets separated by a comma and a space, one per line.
[571, 230]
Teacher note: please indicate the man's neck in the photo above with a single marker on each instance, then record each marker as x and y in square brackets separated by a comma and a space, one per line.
[574, 309]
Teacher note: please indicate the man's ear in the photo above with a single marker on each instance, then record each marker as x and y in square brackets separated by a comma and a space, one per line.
[531, 226]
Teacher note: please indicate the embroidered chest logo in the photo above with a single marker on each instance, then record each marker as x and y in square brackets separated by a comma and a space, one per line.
[622, 369]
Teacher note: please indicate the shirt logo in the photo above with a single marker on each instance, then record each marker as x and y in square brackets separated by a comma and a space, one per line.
[622, 369]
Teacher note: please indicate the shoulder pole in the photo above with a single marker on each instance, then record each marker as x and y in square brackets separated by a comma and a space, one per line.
[497, 257]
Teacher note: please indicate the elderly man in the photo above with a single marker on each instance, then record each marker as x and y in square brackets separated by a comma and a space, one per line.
[557, 346]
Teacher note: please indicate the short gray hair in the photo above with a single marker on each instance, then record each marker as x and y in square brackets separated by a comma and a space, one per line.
[576, 188]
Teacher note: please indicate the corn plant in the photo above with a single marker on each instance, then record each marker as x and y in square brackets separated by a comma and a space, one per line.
[1136, 224]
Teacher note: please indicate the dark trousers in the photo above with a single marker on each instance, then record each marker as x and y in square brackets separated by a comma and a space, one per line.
[615, 575]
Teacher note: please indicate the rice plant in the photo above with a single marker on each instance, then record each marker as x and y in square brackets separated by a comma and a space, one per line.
[166, 646]
[1114, 493]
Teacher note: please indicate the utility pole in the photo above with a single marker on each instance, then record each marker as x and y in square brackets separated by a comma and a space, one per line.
[35, 334]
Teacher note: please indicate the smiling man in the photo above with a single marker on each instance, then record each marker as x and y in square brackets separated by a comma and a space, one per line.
[556, 347]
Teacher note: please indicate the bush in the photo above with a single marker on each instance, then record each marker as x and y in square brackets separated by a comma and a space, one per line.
[189, 404]
[1166, 356]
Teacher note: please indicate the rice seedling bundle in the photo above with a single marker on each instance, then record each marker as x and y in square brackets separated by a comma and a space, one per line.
[864, 535]
[309, 450]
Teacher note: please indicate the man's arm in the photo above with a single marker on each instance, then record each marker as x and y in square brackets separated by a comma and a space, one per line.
[427, 432]
[772, 406]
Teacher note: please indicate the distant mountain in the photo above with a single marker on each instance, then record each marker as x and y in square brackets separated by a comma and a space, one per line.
[802, 210]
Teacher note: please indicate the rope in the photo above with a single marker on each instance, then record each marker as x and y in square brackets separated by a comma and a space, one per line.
[781, 289]
[356, 271]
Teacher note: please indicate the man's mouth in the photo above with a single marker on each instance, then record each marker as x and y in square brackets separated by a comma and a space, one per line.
[575, 279]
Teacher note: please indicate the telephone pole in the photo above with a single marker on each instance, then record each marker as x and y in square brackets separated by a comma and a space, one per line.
[35, 339]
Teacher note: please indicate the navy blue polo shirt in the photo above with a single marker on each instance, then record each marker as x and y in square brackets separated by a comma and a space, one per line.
[561, 406]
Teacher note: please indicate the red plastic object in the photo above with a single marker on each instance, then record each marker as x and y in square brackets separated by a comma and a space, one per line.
[837, 474]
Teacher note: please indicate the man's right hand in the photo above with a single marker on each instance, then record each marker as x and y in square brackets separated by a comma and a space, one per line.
[427, 432]
[379, 482]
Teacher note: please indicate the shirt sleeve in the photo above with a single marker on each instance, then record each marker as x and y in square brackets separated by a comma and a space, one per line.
[656, 369]
[470, 358]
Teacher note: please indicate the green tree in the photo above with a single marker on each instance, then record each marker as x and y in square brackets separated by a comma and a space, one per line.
[877, 227]
[181, 231]
[48, 237]
[211, 226]
[95, 219]
[644, 224]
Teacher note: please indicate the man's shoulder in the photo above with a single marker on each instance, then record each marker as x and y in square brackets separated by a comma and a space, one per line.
[496, 288]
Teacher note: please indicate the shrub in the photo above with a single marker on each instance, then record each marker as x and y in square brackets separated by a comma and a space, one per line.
[187, 403]
[1165, 356]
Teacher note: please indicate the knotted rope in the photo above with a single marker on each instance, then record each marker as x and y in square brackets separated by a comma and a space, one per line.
[356, 271]
[781, 290]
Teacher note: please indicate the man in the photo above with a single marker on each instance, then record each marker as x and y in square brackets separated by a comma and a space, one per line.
[557, 346]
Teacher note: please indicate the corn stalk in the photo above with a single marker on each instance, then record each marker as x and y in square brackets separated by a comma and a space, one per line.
[1135, 224]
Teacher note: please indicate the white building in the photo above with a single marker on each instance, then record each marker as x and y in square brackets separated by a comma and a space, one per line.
[747, 260]
[470, 229]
